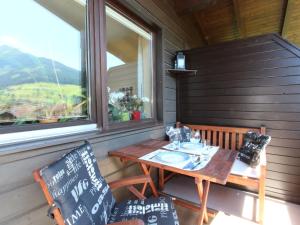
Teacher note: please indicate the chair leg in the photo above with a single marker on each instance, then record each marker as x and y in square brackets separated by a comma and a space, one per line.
[261, 195]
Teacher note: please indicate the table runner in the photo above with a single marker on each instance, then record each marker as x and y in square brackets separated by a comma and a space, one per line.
[191, 163]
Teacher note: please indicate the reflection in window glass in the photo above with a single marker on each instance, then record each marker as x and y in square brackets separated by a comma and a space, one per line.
[42, 61]
[129, 65]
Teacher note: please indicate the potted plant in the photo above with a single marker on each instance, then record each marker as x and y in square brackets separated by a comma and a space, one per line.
[118, 106]
[137, 105]
[48, 113]
[48, 117]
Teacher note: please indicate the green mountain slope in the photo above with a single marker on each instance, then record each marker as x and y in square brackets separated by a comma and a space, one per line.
[17, 67]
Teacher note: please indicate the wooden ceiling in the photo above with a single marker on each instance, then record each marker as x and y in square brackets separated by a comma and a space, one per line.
[223, 20]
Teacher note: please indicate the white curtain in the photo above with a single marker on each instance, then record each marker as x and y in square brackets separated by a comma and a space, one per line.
[144, 70]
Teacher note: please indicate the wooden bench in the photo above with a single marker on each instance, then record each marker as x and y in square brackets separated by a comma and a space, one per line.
[232, 138]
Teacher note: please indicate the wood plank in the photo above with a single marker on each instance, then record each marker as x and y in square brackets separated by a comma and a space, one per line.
[246, 75]
[233, 141]
[209, 136]
[227, 140]
[244, 107]
[203, 134]
[247, 115]
[285, 125]
[220, 142]
[204, 34]
[282, 185]
[240, 142]
[214, 138]
[262, 82]
[287, 18]
[244, 91]
[284, 196]
[244, 58]
[283, 142]
[280, 159]
[292, 152]
[239, 19]
[283, 177]
[255, 99]
[281, 168]
[34, 217]
[21, 201]
[270, 45]
[167, 21]
[249, 66]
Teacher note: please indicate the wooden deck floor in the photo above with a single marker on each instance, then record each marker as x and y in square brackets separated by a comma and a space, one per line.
[239, 208]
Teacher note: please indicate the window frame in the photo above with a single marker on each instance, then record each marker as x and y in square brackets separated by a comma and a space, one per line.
[91, 84]
[97, 76]
[128, 14]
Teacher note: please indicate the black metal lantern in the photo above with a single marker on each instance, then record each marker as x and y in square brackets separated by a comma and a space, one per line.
[180, 61]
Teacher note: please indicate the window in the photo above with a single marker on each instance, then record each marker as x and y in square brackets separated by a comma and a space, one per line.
[129, 69]
[43, 66]
[52, 73]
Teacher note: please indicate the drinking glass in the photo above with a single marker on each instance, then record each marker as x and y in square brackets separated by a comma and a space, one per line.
[206, 147]
[206, 143]
[195, 139]
[177, 139]
[188, 137]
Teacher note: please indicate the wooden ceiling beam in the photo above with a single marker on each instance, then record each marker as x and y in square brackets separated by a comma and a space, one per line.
[238, 19]
[199, 17]
[190, 6]
[285, 18]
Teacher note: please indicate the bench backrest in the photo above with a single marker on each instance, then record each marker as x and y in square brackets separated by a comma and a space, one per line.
[226, 137]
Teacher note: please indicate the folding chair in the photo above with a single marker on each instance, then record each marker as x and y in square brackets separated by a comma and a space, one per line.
[79, 195]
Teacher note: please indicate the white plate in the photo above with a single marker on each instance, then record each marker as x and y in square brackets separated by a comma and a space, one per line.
[172, 157]
[191, 146]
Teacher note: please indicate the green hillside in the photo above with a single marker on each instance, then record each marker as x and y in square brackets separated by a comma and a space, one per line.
[29, 89]
[31, 101]
[17, 67]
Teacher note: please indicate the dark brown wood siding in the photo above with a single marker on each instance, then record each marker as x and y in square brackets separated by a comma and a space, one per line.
[250, 83]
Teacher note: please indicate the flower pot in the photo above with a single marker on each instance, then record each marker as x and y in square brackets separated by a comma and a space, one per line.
[125, 116]
[136, 115]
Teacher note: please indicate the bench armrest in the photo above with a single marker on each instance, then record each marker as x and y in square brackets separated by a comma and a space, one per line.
[263, 158]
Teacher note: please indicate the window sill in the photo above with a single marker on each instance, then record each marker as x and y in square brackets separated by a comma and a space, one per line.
[132, 124]
[34, 135]
[88, 134]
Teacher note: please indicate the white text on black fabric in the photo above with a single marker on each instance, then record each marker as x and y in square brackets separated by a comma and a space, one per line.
[100, 199]
[79, 189]
[91, 170]
[75, 216]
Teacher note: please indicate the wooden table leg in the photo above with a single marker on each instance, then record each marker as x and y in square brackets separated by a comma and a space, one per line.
[203, 194]
[161, 179]
[151, 183]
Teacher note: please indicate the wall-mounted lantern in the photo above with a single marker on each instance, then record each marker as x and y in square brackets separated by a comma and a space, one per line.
[180, 61]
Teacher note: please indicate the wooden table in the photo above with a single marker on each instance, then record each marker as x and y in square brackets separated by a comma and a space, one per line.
[216, 171]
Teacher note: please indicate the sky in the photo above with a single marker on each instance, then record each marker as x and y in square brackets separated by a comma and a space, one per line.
[29, 27]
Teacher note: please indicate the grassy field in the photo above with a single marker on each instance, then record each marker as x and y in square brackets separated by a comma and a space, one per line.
[41, 99]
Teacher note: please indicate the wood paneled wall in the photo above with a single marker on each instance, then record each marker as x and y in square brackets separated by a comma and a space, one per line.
[22, 202]
[250, 83]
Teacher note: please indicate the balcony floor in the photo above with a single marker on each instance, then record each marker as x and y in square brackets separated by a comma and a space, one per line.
[235, 207]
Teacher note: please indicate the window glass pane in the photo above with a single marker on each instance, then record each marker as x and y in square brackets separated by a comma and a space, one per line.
[129, 66]
[42, 61]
